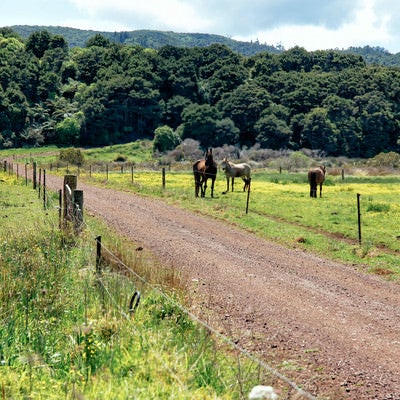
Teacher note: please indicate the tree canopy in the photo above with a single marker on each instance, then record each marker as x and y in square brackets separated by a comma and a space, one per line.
[107, 92]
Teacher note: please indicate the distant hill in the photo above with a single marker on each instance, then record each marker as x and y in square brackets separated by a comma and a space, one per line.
[149, 38]
[156, 39]
[376, 55]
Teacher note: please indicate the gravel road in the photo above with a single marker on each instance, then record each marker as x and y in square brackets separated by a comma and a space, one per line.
[337, 327]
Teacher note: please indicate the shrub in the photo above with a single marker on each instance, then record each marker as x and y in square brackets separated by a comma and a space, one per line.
[72, 156]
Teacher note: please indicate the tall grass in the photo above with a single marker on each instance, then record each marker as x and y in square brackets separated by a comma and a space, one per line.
[67, 332]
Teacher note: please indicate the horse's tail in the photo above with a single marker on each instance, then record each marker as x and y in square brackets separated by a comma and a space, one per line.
[196, 175]
[313, 183]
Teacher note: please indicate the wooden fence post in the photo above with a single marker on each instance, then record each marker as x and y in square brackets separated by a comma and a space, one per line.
[163, 177]
[40, 182]
[34, 175]
[44, 189]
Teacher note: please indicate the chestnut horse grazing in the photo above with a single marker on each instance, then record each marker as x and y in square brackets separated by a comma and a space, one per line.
[316, 176]
[233, 171]
[203, 170]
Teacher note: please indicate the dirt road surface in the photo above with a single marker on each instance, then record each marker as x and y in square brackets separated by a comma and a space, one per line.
[338, 328]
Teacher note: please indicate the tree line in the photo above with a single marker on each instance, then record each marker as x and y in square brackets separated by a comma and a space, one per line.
[107, 93]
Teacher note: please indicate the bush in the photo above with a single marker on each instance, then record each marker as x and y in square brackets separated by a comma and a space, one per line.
[165, 138]
[72, 156]
[390, 159]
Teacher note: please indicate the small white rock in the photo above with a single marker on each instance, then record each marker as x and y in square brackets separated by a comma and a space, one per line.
[261, 392]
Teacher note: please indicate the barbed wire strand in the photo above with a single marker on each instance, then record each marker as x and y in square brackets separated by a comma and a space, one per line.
[207, 326]
[213, 330]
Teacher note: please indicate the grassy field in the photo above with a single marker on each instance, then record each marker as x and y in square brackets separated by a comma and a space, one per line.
[280, 209]
[66, 332]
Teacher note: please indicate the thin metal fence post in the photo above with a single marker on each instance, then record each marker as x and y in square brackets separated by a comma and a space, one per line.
[359, 218]
[248, 197]
[60, 207]
[44, 189]
[98, 254]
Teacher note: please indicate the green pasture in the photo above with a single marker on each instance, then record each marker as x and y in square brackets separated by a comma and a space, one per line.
[66, 332]
[280, 209]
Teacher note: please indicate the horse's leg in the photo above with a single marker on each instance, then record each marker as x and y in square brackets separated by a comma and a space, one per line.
[313, 184]
[204, 187]
[313, 189]
[227, 184]
[212, 186]
[233, 181]
[320, 190]
[196, 185]
[246, 182]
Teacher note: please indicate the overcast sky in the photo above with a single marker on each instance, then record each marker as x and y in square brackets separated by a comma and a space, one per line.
[312, 24]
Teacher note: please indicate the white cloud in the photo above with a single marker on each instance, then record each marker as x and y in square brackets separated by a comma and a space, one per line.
[367, 28]
[150, 14]
[306, 23]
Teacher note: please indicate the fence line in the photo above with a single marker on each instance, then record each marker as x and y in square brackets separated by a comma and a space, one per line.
[204, 324]
[227, 340]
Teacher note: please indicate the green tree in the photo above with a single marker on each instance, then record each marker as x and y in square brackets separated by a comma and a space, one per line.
[341, 112]
[165, 138]
[38, 42]
[379, 126]
[98, 40]
[244, 106]
[273, 133]
[296, 59]
[225, 133]
[173, 110]
[199, 123]
[319, 132]
[68, 130]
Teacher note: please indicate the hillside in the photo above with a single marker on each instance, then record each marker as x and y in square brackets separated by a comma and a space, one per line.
[149, 38]
[156, 39]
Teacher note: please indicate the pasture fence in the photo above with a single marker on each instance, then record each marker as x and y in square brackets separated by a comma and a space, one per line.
[290, 388]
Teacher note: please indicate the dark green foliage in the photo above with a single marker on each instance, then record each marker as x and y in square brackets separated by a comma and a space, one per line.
[72, 156]
[105, 92]
[165, 139]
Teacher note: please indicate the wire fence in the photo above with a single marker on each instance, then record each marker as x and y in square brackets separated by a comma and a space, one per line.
[111, 285]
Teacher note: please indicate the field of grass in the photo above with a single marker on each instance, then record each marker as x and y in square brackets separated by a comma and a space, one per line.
[280, 209]
[66, 332]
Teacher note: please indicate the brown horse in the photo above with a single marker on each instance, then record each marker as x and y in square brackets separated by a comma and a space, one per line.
[316, 176]
[203, 170]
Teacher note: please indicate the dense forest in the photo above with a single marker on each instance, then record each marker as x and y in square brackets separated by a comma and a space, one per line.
[107, 92]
